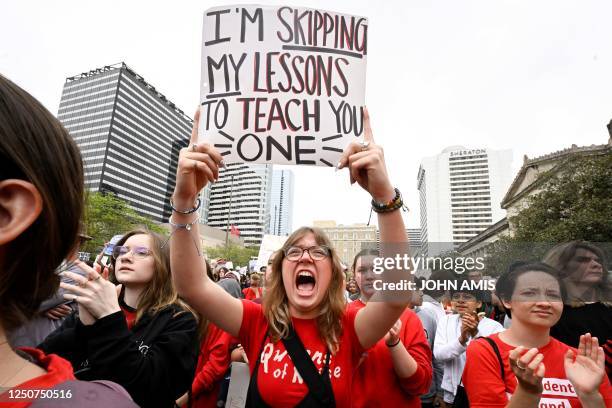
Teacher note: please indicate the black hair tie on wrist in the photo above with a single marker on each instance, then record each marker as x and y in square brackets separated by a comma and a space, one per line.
[394, 344]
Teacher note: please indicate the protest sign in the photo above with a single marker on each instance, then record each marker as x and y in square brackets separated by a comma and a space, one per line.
[282, 85]
[269, 244]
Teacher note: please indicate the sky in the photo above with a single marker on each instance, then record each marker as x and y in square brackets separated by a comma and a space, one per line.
[531, 76]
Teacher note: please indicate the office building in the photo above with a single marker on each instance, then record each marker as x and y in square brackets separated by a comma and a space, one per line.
[348, 240]
[281, 203]
[241, 198]
[129, 135]
[460, 193]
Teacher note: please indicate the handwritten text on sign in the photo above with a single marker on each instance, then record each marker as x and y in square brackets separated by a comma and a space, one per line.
[282, 85]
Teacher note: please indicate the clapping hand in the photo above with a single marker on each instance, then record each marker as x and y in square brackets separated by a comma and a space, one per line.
[586, 369]
[469, 327]
[95, 296]
[58, 312]
[528, 368]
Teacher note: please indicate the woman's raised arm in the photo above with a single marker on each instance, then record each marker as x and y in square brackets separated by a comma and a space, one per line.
[198, 165]
[366, 163]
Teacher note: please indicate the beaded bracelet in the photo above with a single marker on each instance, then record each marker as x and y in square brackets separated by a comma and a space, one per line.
[189, 211]
[396, 203]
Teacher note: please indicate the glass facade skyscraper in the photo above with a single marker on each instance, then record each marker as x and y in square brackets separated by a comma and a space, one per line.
[241, 198]
[281, 203]
[129, 135]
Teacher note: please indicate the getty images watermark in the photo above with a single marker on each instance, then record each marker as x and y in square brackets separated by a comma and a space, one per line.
[405, 263]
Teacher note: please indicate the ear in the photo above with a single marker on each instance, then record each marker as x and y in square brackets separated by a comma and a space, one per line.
[20, 206]
[507, 305]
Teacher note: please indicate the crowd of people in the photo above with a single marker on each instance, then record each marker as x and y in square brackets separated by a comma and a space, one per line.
[158, 326]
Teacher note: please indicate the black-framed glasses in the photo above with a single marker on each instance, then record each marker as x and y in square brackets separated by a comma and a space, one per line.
[317, 253]
[138, 251]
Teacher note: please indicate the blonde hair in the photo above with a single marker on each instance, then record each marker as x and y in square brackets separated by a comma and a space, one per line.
[159, 292]
[332, 307]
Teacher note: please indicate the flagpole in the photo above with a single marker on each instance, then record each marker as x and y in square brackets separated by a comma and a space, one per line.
[229, 213]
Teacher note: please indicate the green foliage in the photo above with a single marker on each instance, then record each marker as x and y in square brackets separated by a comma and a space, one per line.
[107, 215]
[574, 204]
[240, 256]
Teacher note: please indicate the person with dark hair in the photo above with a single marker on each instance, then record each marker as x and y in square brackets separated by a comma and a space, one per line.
[399, 365]
[353, 289]
[139, 333]
[303, 307]
[524, 366]
[432, 297]
[588, 308]
[455, 331]
[41, 204]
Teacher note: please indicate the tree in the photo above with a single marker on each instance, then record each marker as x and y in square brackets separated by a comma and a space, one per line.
[575, 203]
[240, 256]
[107, 215]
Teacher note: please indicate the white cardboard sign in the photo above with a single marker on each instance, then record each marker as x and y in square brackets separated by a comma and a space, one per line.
[280, 84]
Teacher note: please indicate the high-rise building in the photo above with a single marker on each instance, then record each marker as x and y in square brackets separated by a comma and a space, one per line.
[129, 135]
[281, 203]
[414, 238]
[460, 194]
[241, 198]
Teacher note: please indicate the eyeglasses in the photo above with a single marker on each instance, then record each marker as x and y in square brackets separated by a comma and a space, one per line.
[317, 253]
[138, 251]
[462, 296]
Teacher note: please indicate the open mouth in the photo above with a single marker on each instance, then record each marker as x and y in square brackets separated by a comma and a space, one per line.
[305, 283]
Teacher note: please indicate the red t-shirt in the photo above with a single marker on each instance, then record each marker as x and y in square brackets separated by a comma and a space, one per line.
[213, 362]
[484, 386]
[277, 379]
[249, 293]
[58, 370]
[375, 383]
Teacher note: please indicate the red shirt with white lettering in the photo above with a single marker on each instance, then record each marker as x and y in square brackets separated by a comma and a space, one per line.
[484, 386]
[377, 385]
[278, 382]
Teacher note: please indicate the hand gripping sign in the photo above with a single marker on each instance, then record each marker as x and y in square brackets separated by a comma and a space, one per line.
[282, 85]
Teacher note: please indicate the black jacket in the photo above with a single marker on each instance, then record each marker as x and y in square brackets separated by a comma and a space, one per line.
[155, 361]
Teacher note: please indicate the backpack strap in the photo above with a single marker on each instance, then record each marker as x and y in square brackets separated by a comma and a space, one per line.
[319, 389]
[498, 354]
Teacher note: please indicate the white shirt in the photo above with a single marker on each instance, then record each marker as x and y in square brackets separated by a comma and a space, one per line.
[430, 303]
[451, 353]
